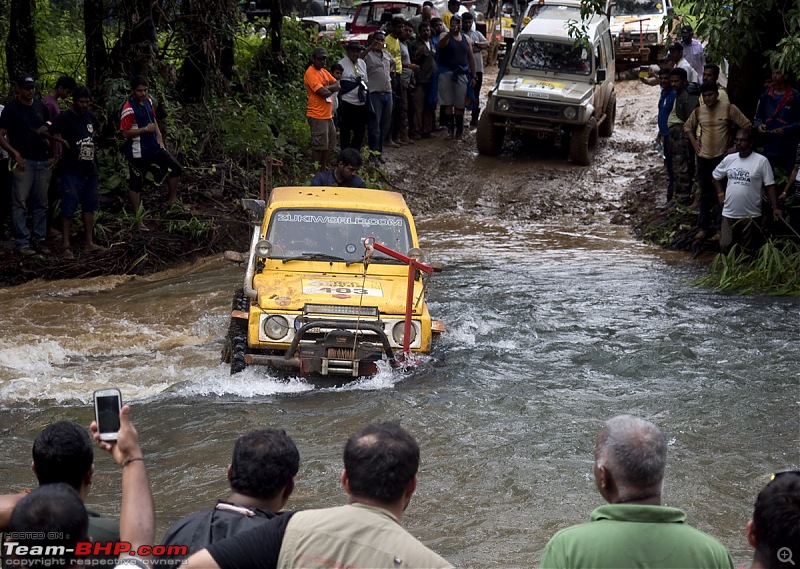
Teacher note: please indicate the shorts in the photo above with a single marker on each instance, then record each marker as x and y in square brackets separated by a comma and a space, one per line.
[453, 92]
[323, 134]
[78, 189]
[141, 166]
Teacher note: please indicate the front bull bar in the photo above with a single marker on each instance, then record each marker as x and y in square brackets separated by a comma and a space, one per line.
[292, 362]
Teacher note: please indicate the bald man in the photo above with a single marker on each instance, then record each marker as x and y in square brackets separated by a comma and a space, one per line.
[634, 529]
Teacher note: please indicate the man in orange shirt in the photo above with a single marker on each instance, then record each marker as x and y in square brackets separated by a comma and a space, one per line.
[321, 87]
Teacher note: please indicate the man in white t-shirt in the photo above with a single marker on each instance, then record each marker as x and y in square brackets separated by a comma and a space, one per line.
[747, 173]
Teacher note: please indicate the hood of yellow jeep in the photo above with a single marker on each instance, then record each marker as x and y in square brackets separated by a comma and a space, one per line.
[291, 291]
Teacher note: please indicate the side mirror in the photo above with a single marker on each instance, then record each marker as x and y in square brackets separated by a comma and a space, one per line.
[601, 76]
[255, 208]
[348, 25]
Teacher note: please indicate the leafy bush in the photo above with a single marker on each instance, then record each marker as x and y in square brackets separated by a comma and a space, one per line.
[775, 269]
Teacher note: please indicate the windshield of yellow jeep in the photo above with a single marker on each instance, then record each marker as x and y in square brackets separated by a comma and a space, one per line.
[334, 235]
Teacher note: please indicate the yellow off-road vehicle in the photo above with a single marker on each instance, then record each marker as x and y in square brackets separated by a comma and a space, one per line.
[315, 299]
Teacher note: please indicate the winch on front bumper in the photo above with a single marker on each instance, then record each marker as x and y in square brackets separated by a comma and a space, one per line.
[332, 347]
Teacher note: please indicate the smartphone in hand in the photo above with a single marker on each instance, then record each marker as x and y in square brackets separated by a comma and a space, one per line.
[107, 405]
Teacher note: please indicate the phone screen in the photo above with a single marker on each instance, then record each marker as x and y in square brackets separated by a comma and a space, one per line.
[108, 414]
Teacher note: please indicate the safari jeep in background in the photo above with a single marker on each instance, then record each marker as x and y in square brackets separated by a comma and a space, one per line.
[310, 304]
[636, 27]
[551, 88]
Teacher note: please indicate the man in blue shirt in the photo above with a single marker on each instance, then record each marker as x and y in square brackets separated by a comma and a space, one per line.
[344, 173]
[665, 103]
[778, 121]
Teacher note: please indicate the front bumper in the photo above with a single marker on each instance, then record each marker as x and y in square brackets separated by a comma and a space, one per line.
[344, 350]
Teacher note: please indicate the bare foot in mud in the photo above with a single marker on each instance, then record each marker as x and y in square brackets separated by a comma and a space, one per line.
[95, 248]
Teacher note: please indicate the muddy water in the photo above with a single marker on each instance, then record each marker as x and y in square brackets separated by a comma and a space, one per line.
[551, 329]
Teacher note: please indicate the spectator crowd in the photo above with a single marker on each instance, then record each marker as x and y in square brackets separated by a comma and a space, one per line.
[722, 162]
[387, 92]
[50, 526]
[48, 158]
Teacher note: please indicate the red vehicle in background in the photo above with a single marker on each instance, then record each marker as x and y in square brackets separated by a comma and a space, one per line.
[377, 14]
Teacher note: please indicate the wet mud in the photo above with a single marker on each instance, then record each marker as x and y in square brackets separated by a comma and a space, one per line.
[534, 180]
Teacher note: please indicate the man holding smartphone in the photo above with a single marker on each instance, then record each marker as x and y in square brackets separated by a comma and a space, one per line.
[63, 453]
[61, 507]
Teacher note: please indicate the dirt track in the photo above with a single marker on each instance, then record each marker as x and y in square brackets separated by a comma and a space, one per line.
[532, 180]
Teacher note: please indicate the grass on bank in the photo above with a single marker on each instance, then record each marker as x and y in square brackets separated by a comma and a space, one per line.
[774, 269]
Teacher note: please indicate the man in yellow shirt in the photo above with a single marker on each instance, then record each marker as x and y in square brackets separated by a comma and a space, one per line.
[715, 121]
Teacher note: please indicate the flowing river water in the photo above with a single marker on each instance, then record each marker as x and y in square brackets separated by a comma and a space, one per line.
[551, 329]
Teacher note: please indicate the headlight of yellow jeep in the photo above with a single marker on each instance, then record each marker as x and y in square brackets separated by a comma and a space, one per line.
[503, 105]
[263, 248]
[397, 333]
[652, 38]
[570, 113]
[276, 327]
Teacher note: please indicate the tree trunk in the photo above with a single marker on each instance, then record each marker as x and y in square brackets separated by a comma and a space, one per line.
[207, 31]
[21, 40]
[275, 23]
[96, 55]
[137, 47]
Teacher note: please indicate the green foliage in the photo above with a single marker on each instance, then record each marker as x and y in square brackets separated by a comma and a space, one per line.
[734, 29]
[132, 220]
[222, 142]
[775, 269]
[113, 171]
[194, 227]
[60, 44]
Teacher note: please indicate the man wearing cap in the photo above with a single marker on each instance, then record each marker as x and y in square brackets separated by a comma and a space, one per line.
[320, 86]
[352, 98]
[30, 154]
[692, 50]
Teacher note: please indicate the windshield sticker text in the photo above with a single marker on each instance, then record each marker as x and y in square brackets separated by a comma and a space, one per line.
[338, 220]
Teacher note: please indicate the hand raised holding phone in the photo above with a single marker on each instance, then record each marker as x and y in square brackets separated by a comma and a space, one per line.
[107, 405]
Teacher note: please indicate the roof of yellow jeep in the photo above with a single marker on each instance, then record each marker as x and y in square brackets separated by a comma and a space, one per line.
[339, 198]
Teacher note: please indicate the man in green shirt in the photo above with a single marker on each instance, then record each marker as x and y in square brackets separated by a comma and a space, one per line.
[634, 529]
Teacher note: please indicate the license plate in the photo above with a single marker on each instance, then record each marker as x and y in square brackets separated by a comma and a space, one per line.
[539, 95]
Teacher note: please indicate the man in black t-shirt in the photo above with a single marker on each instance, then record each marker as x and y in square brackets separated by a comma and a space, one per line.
[30, 155]
[76, 129]
[261, 476]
